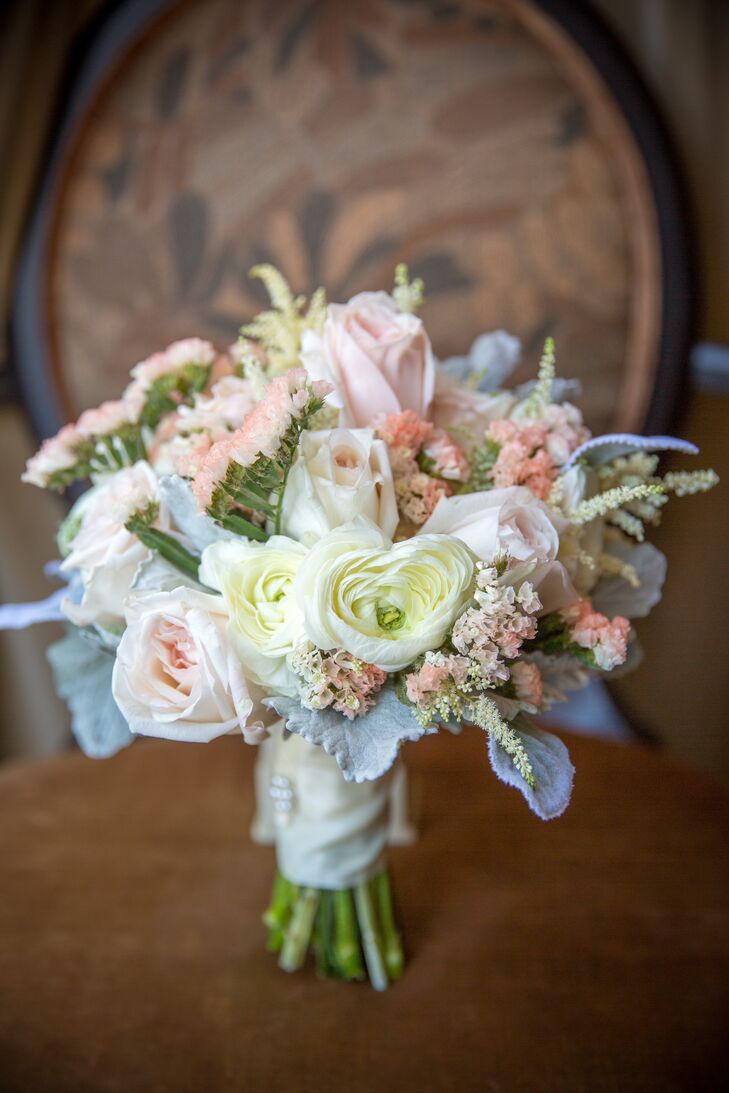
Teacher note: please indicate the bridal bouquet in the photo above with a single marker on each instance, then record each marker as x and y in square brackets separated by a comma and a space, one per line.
[328, 540]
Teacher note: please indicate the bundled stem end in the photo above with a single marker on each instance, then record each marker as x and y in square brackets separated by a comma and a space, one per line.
[352, 932]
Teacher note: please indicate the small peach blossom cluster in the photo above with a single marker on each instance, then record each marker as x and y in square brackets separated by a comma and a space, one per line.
[175, 451]
[336, 680]
[484, 637]
[107, 418]
[565, 430]
[527, 682]
[497, 626]
[532, 451]
[523, 458]
[285, 399]
[607, 639]
[184, 438]
[437, 672]
[424, 460]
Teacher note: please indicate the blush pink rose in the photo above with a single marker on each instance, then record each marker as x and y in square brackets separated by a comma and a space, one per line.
[378, 358]
[176, 675]
[466, 412]
[515, 522]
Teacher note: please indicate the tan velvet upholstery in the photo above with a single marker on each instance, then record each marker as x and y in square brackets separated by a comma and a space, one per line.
[590, 953]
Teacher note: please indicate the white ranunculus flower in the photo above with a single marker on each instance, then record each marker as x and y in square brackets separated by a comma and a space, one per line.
[514, 521]
[176, 674]
[104, 553]
[383, 603]
[265, 623]
[338, 475]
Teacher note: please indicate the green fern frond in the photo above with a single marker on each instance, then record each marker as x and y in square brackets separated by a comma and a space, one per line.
[259, 488]
[167, 392]
[171, 549]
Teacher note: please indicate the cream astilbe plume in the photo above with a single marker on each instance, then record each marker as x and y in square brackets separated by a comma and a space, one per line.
[278, 330]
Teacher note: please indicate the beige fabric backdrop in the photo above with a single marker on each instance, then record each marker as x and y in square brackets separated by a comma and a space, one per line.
[683, 50]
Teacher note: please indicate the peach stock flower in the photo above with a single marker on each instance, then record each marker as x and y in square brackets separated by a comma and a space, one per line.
[57, 453]
[414, 445]
[606, 638]
[527, 680]
[106, 418]
[261, 432]
[172, 359]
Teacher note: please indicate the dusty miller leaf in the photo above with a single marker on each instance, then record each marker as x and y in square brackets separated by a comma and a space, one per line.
[603, 449]
[491, 360]
[197, 529]
[614, 596]
[365, 748]
[550, 761]
[157, 575]
[82, 673]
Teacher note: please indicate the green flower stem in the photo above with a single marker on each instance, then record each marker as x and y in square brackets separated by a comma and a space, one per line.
[298, 933]
[392, 943]
[167, 546]
[278, 512]
[370, 937]
[323, 932]
[250, 498]
[339, 926]
[240, 526]
[346, 936]
[276, 918]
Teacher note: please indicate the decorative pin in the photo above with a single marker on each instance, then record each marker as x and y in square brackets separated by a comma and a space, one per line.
[282, 796]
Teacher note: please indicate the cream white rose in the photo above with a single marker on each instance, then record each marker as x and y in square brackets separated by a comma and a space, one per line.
[378, 358]
[510, 520]
[338, 475]
[265, 623]
[104, 553]
[383, 603]
[176, 674]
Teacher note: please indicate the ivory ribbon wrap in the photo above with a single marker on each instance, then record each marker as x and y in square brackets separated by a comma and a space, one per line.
[329, 833]
[400, 830]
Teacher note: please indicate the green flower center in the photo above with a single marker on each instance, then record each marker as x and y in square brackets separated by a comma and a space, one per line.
[389, 617]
